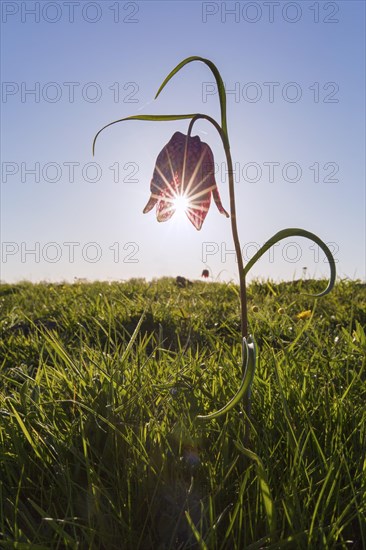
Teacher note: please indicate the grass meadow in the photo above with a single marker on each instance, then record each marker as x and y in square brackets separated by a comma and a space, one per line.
[100, 386]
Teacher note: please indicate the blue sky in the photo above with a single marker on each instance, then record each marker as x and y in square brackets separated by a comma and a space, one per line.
[295, 117]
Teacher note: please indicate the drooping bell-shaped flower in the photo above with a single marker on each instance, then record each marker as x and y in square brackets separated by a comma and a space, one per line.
[184, 174]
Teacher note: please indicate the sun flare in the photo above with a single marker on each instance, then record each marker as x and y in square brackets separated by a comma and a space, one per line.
[181, 204]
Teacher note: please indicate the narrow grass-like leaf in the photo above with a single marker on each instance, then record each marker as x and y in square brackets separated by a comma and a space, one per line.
[360, 505]
[54, 524]
[25, 430]
[219, 82]
[151, 118]
[305, 326]
[197, 535]
[23, 545]
[264, 486]
[317, 505]
[237, 508]
[133, 337]
[296, 232]
[249, 356]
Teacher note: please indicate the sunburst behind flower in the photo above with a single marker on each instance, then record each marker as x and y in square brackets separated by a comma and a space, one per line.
[181, 204]
[184, 179]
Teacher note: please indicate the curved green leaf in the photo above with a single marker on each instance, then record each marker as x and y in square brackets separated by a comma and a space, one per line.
[219, 82]
[296, 232]
[249, 356]
[154, 118]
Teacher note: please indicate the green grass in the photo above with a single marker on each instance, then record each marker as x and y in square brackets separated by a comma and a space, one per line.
[99, 443]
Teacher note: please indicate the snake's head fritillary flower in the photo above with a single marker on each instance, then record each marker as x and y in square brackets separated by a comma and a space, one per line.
[205, 273]
[184, 175]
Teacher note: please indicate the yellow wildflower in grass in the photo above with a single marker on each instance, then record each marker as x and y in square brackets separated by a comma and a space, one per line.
[304, 314]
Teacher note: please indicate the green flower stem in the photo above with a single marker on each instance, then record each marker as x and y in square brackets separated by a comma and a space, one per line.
[225, 141]
[234, 228]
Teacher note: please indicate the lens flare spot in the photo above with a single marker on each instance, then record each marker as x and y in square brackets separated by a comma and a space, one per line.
[180, 204]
